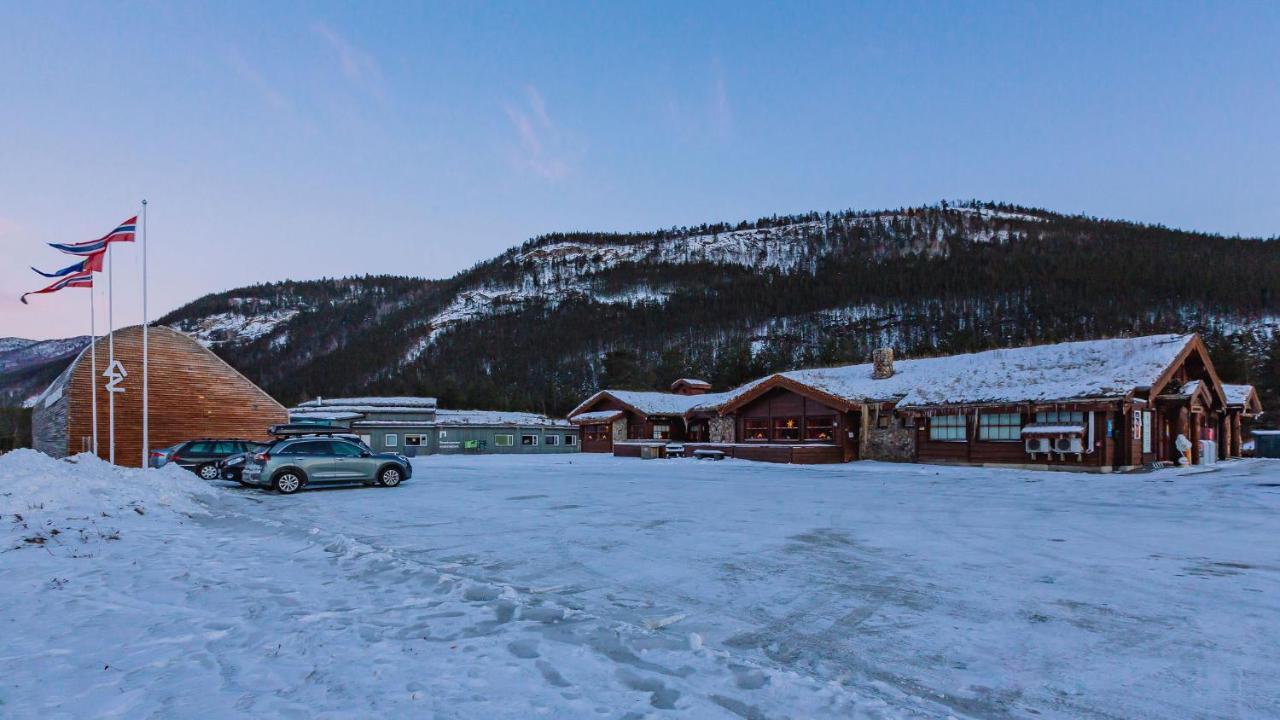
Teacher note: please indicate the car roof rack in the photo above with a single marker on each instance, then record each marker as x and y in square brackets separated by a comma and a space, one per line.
[289, 430]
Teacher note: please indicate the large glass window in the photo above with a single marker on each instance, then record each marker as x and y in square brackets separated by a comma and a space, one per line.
[528, 439]
[820, 429]
[504, 440]
[755, 429]
[661, 432]
[1060, 417]
[570, 440]
[550, 439]
[786, 428]
[414, 440]
[947, 428]
[999, 426]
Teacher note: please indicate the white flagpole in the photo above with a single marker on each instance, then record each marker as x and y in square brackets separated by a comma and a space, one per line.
[146, 445]
[111, 356]
[93, 362]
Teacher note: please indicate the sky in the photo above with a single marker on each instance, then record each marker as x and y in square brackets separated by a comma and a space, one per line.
[305, 140]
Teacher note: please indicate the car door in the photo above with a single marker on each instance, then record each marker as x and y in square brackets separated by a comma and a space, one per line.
[195, 453]
[320, 463]
[351, 463]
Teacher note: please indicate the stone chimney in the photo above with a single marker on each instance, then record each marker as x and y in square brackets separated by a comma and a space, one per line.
[881, 363]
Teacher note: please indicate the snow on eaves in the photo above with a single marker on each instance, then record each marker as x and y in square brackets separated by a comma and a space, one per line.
[496, 417]
[372, 401]
[1091, 369]
[1237, 394]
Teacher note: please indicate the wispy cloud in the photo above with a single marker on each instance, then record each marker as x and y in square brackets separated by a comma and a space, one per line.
[543, 148]
[720, 112]
[254, 77]
[357, 65]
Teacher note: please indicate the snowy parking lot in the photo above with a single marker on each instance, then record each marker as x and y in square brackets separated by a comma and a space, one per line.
[574, 586]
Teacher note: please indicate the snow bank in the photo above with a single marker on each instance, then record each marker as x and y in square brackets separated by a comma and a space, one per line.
[40, 488]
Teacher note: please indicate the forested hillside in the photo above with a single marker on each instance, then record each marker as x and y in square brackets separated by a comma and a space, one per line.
[542, 325]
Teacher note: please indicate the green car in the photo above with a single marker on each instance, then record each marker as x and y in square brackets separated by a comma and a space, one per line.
[289, 465]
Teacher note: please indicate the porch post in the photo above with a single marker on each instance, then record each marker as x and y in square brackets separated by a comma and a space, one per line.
[1196, 420]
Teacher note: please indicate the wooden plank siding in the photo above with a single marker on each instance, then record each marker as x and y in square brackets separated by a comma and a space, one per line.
[785, 403]
[1012, 452]
[193, 394]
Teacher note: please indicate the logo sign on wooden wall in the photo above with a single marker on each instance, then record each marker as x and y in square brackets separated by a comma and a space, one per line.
[117, 374]
[1137, 424]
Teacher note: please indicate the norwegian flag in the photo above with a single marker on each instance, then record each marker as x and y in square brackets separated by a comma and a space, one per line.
[83, 279]
[123, 233]
[92, 263]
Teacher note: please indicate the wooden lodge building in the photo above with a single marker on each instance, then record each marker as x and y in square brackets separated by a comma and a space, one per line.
[192, 394]
[1096, 405]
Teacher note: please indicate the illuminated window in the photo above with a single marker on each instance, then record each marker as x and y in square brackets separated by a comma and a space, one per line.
[786, 428]
[755, 429]
[661, 432]
[999, 426]
[947, 428]
[820, 429]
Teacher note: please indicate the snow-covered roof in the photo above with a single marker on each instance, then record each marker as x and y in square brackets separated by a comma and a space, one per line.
[660, 403]
[496, 417]
[1237, 394]
[598, 416]
[691, 382]
[1091, 369]
[324, 415]
[417, 403]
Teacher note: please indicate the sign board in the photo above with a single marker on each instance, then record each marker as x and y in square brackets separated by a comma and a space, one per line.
[116, 374]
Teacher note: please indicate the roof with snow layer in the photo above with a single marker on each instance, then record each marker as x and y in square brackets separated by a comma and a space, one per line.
[662, 403]
[378, 402]
[1239, 395]
[1092, 369]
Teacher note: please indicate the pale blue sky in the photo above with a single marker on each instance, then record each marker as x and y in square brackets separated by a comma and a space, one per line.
[280, 140]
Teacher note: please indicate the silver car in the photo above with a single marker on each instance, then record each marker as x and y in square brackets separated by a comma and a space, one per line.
[289, 465]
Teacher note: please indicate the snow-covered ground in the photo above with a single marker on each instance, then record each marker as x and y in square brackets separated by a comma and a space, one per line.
[573, 586]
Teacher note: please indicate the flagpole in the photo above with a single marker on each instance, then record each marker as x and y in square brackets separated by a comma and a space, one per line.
[146, 448]
[93, 361]
[111, 355]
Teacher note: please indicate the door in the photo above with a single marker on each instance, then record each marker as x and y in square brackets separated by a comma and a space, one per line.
[317, 460]
[350, 463]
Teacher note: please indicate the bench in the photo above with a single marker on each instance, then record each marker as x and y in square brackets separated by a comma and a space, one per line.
[675, 450]
[709, 454]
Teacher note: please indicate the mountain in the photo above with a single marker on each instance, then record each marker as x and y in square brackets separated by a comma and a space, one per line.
[27, 366]
[542, 325]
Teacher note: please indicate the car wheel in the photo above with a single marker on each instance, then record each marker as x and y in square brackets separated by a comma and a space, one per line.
[390, 476]
[208, 471]
[287, 482]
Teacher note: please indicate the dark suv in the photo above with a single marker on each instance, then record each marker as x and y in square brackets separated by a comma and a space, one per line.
[290, 464]
[202, 456]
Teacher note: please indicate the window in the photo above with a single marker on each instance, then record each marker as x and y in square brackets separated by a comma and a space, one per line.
[529, 440]
[786, 428]
[1146, 431]
[391, 440]
[504, 440]
[661, 432]
[199, 448]
[882, 421]
[1060, 417]
[346, 449]
[550, 439]
[1000, 426]
[314, 447]
[821, 429]
[755, 429]
[947, 428]
[570, 440]
[414, 440]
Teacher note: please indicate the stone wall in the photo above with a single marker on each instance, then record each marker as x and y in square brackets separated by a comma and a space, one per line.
[721, 429]
[896, 442]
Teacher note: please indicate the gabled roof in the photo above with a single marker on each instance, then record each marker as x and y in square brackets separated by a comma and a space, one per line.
[691, 382]
[660, 403]
[599, 416]
[418, 403]
[1243, 396]
[1088, 370]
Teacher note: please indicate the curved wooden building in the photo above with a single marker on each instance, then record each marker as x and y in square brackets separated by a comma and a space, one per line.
[193, 394]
